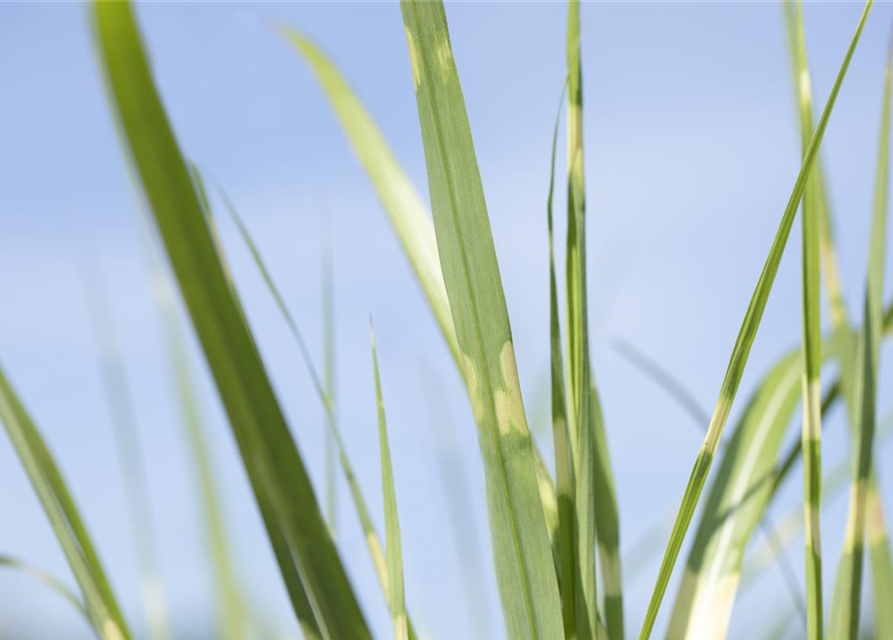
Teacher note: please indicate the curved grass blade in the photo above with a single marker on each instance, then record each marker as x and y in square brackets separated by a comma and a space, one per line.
[373, 542]
[392, 522]
[565, 543]
[48, 580]
[130, 457]
[308, 560]
[64, 517]
[844, 622]
[402, 204]
[741, 350]
[521, 548]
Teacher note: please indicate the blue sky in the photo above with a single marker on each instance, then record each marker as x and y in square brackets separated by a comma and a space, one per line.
[692, 149]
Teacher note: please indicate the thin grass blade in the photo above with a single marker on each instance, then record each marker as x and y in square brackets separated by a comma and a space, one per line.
[47, 580]
[394, 548]
[521, 547]
[308, 560]
[328, 323]
[741, 350]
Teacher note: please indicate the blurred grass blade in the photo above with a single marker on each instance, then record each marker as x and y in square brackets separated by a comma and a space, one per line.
[521, 547]
[401, 202]
[741, 350]
[811, 434]
[373, 542]
[48, 580]
[844, 621]
[130, 458]
[328, 324]
[392, 523]
[735, 506]
[564, 472]
[594, 498]
[63, 515]
[308, 560]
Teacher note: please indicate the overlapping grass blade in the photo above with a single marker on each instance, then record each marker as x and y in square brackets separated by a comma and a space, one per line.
[564, 472]
[309, 562]
[48, 580]
[811, 434]
[844, 621]
[594, 500]
[64, 517]
[402, 204]
[525, 571]
[130, 459]
[373, 542]
[742, 349]
[394, 549]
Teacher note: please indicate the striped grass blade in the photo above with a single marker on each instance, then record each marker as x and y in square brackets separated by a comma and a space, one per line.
[373, 542]
[64, 517]
[394, 549]
[402, 204]
[741, 349]
[130, 457]
[811, 434]
[564, 471]
[308, 560]
[521, 548]
[844, 622]
[48, 580]
[595, 500]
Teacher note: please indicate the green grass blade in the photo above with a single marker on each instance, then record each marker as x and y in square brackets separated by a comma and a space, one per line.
[735, 506]
[521, 548]
[63, 515]
[564, 472]
[47, 580]
[811, 434]
[308, 560]
[844, 621]
[741, 350]
[881, 561]
[130, 458]
[373, 542]
[394, 548]
[328, 323]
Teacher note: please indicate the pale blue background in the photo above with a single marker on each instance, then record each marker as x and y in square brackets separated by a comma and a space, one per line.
[692, 149]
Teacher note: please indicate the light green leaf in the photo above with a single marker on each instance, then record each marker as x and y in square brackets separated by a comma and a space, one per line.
[521, 548]
[308, 560]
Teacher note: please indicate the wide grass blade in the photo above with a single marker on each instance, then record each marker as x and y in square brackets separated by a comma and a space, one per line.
[130, 458]
[373, 542]
[64, 517]
[844, 622]
[741, 350]
[308, 560]
[48, 580]
[525, 570]
[394, 549]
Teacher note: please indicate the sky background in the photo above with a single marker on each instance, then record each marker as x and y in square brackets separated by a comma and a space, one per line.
[691, 152]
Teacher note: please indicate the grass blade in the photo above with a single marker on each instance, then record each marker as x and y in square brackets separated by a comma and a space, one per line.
[308, 560]
[130, 459]
[521, 548]
[64, 517]
[392, 523]
[328, 323]
[48, 580]
[741, 350]
[844, 621]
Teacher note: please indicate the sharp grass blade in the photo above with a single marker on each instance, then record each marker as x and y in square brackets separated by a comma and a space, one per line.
[735, 506]
[130, 459]
[521, 547]
[811, 434]
[373, 542]
[741, 350]
[402, 204]
[844, 621]
[394, 548]
[308, 560]
[64, 517]
[48, 580]
[565, 540]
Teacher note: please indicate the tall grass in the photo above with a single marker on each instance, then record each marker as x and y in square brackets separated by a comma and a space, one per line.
[554, 529]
